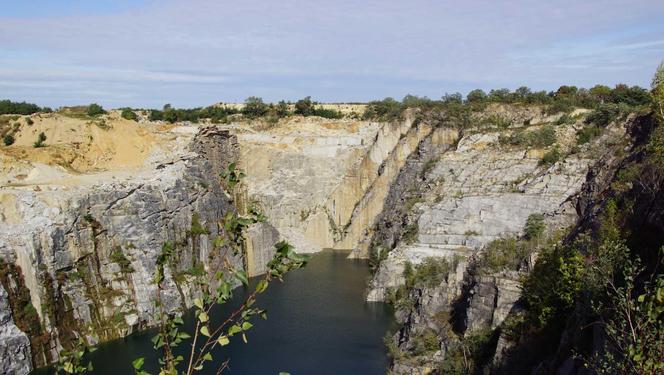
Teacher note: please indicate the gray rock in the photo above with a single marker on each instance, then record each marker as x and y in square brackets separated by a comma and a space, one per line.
[14, 344]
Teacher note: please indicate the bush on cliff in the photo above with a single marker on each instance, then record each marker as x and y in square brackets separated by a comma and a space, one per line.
[129, 114]
[7, 107]
[95, 109]
[254, 107]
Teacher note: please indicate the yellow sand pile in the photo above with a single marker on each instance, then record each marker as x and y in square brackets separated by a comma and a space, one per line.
[81, 144]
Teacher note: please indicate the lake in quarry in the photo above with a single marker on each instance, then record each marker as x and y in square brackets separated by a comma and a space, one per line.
[318, 323]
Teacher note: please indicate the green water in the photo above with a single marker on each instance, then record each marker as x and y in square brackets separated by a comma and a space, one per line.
[318, 323]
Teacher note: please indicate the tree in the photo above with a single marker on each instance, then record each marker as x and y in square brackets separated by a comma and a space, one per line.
[95, 109]
[476, 96]
[633, 96]
[566, 91]
[254, 107]
[282, 109]
[40, 140]
[8, 107]
[128, 114]
[305, 107]
[455, 98]
[600, 92]
[8, 139]
[386, 109]
[534, 226]
[499, 95]
[522, 93]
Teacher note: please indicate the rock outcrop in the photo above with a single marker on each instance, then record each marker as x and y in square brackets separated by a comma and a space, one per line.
[458, 201]
[323, 183]
[85, 246]
[14, 344]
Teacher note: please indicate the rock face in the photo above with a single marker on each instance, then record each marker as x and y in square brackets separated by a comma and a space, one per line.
[323, 183]
[452, 202]
[14, 344]
[86, 252]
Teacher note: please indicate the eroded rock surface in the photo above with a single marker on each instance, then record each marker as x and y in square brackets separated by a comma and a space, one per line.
[14, 344]
[457, 201]
[85, 245]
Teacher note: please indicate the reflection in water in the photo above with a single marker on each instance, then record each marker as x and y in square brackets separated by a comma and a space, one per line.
[318, 323]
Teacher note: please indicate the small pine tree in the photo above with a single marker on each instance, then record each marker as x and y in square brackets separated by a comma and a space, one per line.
[95, 109]
[8, 139]
[534, 226]
[128, 114]
[40, 140]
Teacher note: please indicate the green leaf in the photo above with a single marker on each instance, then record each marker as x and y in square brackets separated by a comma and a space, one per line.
[234, 329]
[205, 331]
[261, 286]
[223, 340]
[203, 317]
[246, 326]
[207, 357]
[242, 276]
[138, 363]
[198, 303]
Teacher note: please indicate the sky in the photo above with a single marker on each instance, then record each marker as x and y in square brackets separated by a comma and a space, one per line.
[198, 52]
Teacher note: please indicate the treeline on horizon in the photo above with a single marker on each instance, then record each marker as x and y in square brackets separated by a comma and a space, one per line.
[619, 99]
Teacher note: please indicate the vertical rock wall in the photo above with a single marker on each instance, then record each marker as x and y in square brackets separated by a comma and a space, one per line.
[87, 255]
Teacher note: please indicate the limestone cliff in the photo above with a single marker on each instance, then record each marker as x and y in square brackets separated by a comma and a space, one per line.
[322, 183]
[78, 248]
[450, 203]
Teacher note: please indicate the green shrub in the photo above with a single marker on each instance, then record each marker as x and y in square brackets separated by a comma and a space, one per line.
[498, 121]
[542, 137]
[254, 107]
[281, 109]
[587, 133]
[604, 114]
[565, 119]
[425, 342]
[534, 226]
[305, 107]
[470, 354]
[196, 227]
[95, 109]
[551, 288]
[40, 140]
[504, 253]
[410, 232]
[8, 107]
[428, 274]
[327, 113]
[561, 105]
[128, 114]
[551, 157]
[29, 121]
[117, 256]
[8, 139]
[386, 110]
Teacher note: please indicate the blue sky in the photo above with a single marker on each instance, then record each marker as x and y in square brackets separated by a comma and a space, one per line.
[198, 52]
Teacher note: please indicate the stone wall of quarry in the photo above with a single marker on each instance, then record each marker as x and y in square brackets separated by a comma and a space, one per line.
[450, 203]
[80, 237]
[322, 185]
[78, 252]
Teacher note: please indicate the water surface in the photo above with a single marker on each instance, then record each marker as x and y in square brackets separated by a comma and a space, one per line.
[318, 323]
